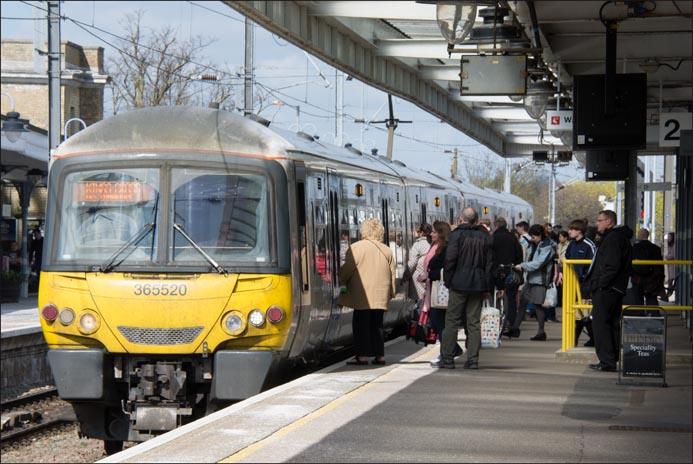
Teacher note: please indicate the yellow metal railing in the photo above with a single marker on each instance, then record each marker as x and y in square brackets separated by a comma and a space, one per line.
[572, 299]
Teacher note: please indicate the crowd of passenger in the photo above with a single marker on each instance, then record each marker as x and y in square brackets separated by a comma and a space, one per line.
[478, 260]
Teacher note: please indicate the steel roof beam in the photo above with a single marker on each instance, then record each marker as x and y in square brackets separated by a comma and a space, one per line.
[324, 38]
[375, 10]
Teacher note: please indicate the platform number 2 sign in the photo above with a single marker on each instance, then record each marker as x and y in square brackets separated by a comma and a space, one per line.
[670, 127]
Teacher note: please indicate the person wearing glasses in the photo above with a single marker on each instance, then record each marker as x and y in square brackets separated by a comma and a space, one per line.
[608, 279]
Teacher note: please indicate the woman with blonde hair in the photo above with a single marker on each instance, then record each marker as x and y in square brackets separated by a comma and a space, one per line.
[369, 275]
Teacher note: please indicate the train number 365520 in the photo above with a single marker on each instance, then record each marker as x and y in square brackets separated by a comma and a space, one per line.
[160, 289]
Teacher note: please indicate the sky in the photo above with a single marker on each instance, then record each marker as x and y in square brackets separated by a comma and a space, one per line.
[279, 68]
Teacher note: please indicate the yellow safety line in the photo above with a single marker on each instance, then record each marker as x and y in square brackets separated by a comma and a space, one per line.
[258, 445]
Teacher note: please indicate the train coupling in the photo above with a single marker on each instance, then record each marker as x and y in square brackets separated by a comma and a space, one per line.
[159, 417]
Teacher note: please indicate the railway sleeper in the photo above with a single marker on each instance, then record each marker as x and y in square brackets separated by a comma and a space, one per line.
[20, 419]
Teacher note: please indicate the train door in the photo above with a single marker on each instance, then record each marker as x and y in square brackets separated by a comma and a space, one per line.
[301, 264]
[336, 320]
[392, 202]
[318, 259]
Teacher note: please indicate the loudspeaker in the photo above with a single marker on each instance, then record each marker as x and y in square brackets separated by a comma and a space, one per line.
[607, 165]
[540, 156]
[625, 128]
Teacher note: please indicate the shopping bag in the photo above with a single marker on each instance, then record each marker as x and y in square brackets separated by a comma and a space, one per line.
[491, 323]
[439, 293]
[551, 298]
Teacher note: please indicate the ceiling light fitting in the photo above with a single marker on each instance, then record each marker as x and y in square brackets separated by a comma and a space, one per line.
[537, 98]
[455, 20]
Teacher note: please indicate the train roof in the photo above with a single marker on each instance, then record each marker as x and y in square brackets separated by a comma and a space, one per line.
[176, 128]
[348, 154]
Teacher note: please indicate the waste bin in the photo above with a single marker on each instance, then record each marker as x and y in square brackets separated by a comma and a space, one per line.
[643, 344]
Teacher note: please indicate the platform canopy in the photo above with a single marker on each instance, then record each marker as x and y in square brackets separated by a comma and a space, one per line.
[474, 85]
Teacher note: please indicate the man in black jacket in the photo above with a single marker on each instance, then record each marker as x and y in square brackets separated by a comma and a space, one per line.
[468, 276]
[608, 280]
[648, 280]
[507, 250]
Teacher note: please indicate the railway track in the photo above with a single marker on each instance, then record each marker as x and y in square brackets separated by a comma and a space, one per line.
[33, 414]
[28, 399]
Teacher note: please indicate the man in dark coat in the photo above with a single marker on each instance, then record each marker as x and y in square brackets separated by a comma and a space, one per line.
[648, 280]
[608, 280]
[507, 250]
[468, 274]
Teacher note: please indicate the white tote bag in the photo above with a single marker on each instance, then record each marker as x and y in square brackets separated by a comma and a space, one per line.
[551, 298]
[439, 293]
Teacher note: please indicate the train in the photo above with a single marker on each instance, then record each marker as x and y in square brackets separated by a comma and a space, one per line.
[191, 255]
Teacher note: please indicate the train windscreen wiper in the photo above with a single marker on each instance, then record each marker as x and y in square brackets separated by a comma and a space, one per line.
[130, 246]
[220, 269]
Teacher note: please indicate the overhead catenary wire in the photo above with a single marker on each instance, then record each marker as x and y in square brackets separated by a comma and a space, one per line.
[228, 78]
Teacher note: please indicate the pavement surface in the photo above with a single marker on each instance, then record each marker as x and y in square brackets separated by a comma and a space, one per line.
[528, 402]
[522, 405]
[20, 318]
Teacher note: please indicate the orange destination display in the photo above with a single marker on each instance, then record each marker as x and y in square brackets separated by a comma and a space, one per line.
[113, 192]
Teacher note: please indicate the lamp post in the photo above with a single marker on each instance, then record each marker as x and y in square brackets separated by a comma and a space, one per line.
[561, 158]
[13, 127]
[67, 123]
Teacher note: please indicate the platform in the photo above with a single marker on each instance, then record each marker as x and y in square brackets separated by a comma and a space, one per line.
[522, 405]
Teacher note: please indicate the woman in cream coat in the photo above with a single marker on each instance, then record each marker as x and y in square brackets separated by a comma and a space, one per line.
[369, 276]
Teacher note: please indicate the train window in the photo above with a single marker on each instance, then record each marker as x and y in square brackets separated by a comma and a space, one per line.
[362, 216]
[226, 214]
[343, 245]
[320, 214]
[321, 254]
[105, 210]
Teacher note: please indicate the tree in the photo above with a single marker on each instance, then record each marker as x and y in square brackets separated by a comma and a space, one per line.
[581, 200]
[484, 173]
[158, 68]
[576, 201]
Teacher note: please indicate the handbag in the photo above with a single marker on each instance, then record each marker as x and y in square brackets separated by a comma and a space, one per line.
[551, 298]
[439, 293]
[420, 329]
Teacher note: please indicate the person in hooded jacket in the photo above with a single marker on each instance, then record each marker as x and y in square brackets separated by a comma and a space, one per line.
[539, 269]
[608, 279]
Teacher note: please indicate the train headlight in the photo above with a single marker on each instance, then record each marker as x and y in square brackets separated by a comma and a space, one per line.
[67, 316]
[88, 322]
[49, 312]
[256, 318]
[232, 323]
[275, 314]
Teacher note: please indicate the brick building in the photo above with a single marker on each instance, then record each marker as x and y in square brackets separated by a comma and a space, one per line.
[83, 79]
[24, 76]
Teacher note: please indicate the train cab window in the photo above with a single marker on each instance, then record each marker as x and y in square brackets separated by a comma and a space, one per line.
[104, 212]
[226, 214]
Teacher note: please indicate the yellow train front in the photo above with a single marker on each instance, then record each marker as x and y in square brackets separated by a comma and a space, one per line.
[166, 288]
